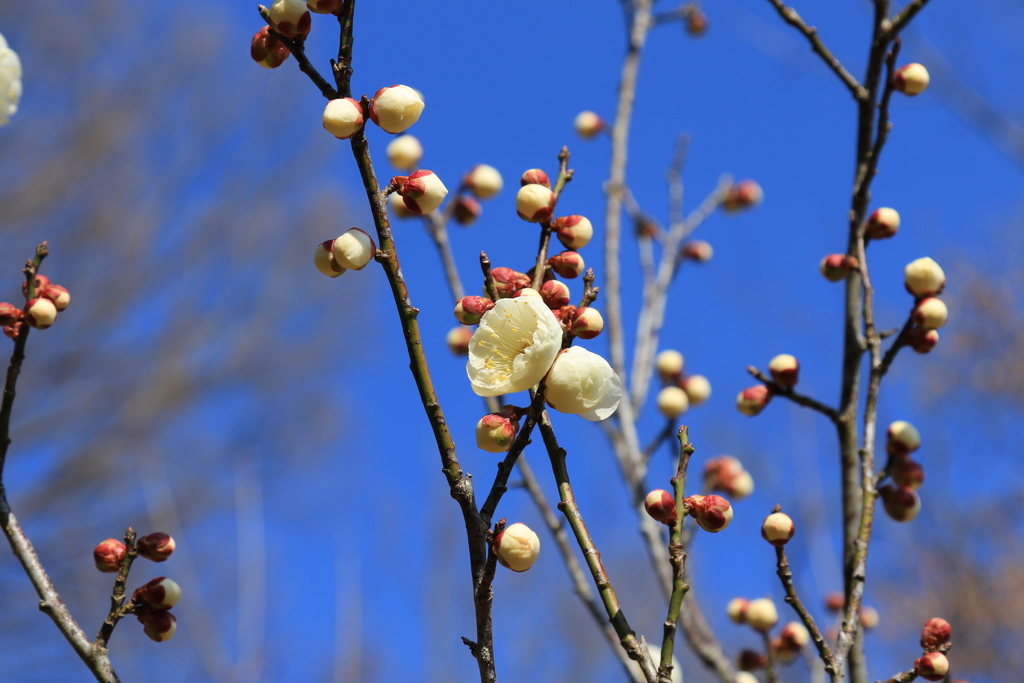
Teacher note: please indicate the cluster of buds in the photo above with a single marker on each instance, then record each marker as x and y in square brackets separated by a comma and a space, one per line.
[517, 547]
[696, 389]
[790, 642]
[778, 528]
[837, 267]
[925, 279]
[726, 473]
[935, 641]
[712, 513]
[153, 600]
[745, 194]
[352, 251]
[394, 109]
[496, 432]
[911, 79]
[40, 311]
[900, 498]
[508, 281]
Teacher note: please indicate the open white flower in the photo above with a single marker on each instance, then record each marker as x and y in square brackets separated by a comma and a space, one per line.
[10, 81]
[582, 383]
[513, 347]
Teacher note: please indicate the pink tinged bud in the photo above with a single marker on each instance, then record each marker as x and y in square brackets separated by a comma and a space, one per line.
[323, 259]
[673, 402]
[495, 433]
[923, 341]
[108, 555]
[783, 651]
[669, 364]
[555, 294]
[323, 6]
[396, 108]
[785, 370]
[697, 23]
[586, 322]
[837, 267]
[458, 340]
[936, 633]
[794, 636]
[41, 281]
[483, 181]
[761, 614]
[267, 50]
[423, 192]
[752, 400]
[697, 388]
[777, 529]
[290, 18]
[901, 504]
[742, 195]
[868, 617]
[834, 601]
[535, 176]
[903, 438]
[404, 152]
[159, 626]
[509, 281]
[568, 264]
[156, 547]
[883, 223]
[574, 232]
[908, 473]
[698, 251]
[517, 547]
[588, 124]
[535, 203]
[929, 314]
[161, 593]
[467, 210]
[9, 314]
[57, 294]
[40, 313]
[924, 277]
[661, 506]
[737, 610]
[354, 249]
[750, 660]
[911, 79]
[343, 118]
[528, 292]
[469, 309]
[397, 207]
[12, 331]
[713, 513]
[932, 667]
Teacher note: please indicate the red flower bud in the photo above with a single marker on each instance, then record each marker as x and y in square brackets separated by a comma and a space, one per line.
[467, 210]
[12, 331]
[836, 267]
[752, 400]
[698, 251]
[697, 23]
[834, 601]
[921, 340]
[751, 660]
[555, 294]
[108, 555]
[158, 625]
[509, 281]
[713, 513]
[267, 50]
[469, 309]
[932, 667]
[41, 281]
[742, 195]
[901, 504]
[9, 314]
[535, 176]
[161, 593]
[156, 547]
[568, 264]
[661, 506]
[907, 473]
[936, 633]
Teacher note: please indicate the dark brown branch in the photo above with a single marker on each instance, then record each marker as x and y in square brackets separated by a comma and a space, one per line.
[677, 556]
[901, 20]
[564, 176]
[489, 286]
[656, 442]
[793, 599]
[298, 49]
[500, 485]
[118, 610]
[788, 393]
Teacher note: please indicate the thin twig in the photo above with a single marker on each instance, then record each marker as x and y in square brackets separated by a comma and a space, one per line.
[118, 610]
[564, 176]
[437, 228]
[786, 575]
[905, 677]
[297, 48]
[769, 668]
[901, 20]
[489, 286]
[677, 556]
[788, 393]
[656, 442]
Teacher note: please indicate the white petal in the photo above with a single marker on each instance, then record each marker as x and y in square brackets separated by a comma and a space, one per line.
[513, 347]
[583, 383]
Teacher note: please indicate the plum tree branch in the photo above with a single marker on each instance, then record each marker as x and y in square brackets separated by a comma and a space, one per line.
[788, 393]
[677, 556]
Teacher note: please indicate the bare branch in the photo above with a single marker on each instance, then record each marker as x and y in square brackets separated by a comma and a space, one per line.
[787, 392]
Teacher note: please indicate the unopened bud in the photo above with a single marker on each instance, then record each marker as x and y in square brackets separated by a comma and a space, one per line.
[397, 207]
[159, 625]
[555, 294]
[396, 108]
[12, 331]
[761, 614]
[737, 610]
[901, 504]
[483, 181]
[267, 50]
[783, 651]
[883, 223]
[467, 210]
[574, 232]
[713, 513]
[740, 486]
[517, 547]
[930, 313]
[911, 79]
[794, 636]
[923, 341]
[535, 203]
[290, 18]
[586, 322]
[469, 309]
[568, 264]
[108, 555]
[932, 667]
[57, 294]
[323, 259]
[405, 152]
[778, 528]
[496, 432]
[423, 192]
[160, 593]
[726, 473]
[458, 340]
[746, 676]
[673, 402]
[902, 438]
[669, 364]
[908, 473]
[9, 314]
[40, 313]
[924, 277]
[698, 251]
[156, 547]
[785, 370]
[41, 281]
[354, 249]
[697, 388]
[752, 400]
[588, 124]
[836, 267]
[936, 633]
[835, 601]
[527, 291]
[697, 23]
[535, 176]
[661, 506]
[343, 118]
[509, 281]
[750, 660]
[324, 6]
[742, 195]
[868, 617]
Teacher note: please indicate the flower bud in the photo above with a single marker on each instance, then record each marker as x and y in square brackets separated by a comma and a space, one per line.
[323, 259]
[324, 6]
[794, 636]
[903, 438]
[713, 513]
[57, 294]
[836, 267]
[761, 614]
[458, 340]
[267, 50]
[901, 504]
[673, 402]
[509, 281]
[697, 388]
[882, 223]
[535, 203]
[495, 433]
[750, 660]
[785, 370]
[535, 176]
[777, 529]
[555, 294]
[661, 506]
[698, 251]
[404, 152]
[923, 341]
[930, 313]
[12, 331]
[868, 617]
[907, 473]
[354, 249]
[936, 633]
[737, 610]
[583, 383]
[697, 23]
[647, 226]
[41, 281]
[343, 118]
[469, 309]
[467, 210]
[40, 313]
[161, 593]
[924, 277]
[527, 291]
[588, 124]
[586, 322]
[483, 181]
[746, 676]
[397, 207]
[669, 364]
[396, 108]
[742, 195]
[835, 601]
[726, 473]
[156, 547]
[932, 667]
[159, 626]
[9, 314]
[574, 232]
[290, 18]
[911, 79]
[752, 400]
[423, 192]
[568, 264]
[783, 651]
[108, 556]
[517, 547]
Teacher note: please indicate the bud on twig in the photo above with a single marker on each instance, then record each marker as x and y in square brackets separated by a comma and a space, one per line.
[458, 340]
[496, 432]
[737, 610]
[555, 294]
[343, 117]
[396, 108]
[40, 313]
[469, 309]
[267, 50]
[752, 400]
[161, 593]
[726, 473]
[901, 504]
[661, 506]
[12, 331]
[794, 636]
[750, 660]
[837, 267]
[761, 614]
[574, 232]
[324, 6]
[911, 79]
[883, 223]
[467, 210]
[586, 322]
[868, 617]
[422, 192]
[697, 388]
[697, 23]
[483, 181]
[323, 259]
[535, 203]
[9, 314]
[404, 152]
[930, 313]
[713, 513]
[673, 402]
[932, 667]
[785, 370]
[698, 251]
[588, 124]
[923, 341]
[568, 264]
[936, 633]
[742, 195]
[159, 625]
[834, 601]
[508, 281]
[535, 176]
[354, 249]
[156, 547]
[290, 18]
[902, 438]
[517, 547]
[777, 529]
[907, 473]
[109, 555]
[41, 281]
[57, 294]
[924, 277]
[397, 207]
[669, 364]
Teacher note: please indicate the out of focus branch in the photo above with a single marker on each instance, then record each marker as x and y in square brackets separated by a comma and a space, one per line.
[787, 392]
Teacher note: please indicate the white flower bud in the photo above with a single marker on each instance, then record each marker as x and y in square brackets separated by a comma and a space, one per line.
[458, 340]
[57, 294]
[343, 118]
[778, 528]
[574, 232]
[160, 593]
[40, 313]
[495, 433]
[930, 313]
[745, 677]
[697, 388]
[514, 347]
[588, 124]
[568, 264]
[324, 6]
[583, 383]
[586, 322]
[932, 666]
[10, 82]
[517, 547]
[669, 364]
[354, 249]
[785, 370]
[868, 617]
[534, 203]
[752, 400]
[397, 207]
[405, 152]
[673, 402]
[794, 636]
[911, 79]
[290, 18]
[761, 614]
[535, 176]
[159, 626]
[423, 192]
[697, 250]
[883, 223]
[740, 486]
[396, 108]
[900, 503]
[483, 181]
[924, 277]
[156, 546]
[323, 259]
[737, 610]
[903, 438]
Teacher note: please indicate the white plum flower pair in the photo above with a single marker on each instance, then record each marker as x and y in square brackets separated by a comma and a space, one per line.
[10, 82]
[519, 341]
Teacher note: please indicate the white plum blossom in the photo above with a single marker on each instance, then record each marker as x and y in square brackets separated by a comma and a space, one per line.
[10, 82]
[583, 383]
[513, 347]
